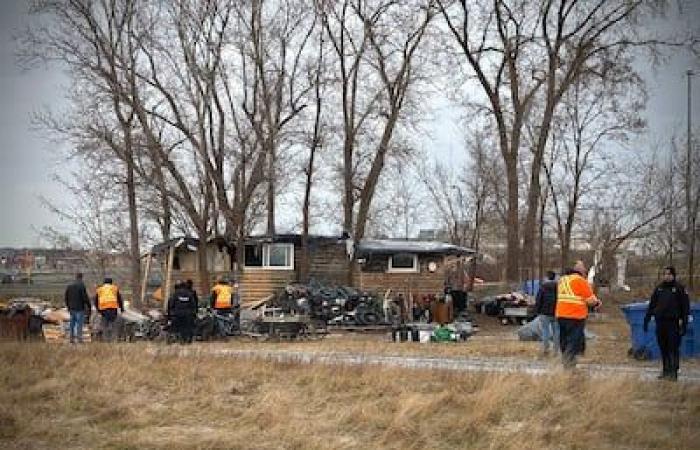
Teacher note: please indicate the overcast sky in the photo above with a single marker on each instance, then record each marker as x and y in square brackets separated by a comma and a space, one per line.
[28, 161]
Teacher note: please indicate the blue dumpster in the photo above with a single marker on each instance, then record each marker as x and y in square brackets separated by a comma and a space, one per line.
[644, 345]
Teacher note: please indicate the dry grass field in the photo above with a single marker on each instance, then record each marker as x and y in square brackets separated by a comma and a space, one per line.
[125, 396]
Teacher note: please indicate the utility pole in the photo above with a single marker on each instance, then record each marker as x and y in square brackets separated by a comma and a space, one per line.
[690, 211]
[670, 204]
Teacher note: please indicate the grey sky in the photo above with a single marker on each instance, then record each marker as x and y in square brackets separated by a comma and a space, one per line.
[27, 161]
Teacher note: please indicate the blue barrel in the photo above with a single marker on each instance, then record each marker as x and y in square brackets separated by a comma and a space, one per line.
[645, 345]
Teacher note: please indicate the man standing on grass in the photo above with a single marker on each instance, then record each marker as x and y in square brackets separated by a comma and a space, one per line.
[78, 304]
[107, 300]
[182, 311]
[545, 304]
[669, 305]
[574, 296]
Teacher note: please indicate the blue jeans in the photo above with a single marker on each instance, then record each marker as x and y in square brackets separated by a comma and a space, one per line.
[549, 332]
[76, 325]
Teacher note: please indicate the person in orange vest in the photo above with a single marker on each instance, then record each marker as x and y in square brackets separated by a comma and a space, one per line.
[222, 297]
[574, 297]
[108, 300]
[224, 303]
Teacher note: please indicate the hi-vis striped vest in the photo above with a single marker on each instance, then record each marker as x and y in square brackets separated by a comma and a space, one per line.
[573, 292]
[107, 297]
[223, 294]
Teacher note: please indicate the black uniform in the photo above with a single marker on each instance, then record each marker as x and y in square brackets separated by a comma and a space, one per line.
[182, 310]
[546, 300]
[670, 306]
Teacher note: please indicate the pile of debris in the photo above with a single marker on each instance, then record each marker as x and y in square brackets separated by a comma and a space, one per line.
[334, 305]
[511, 308]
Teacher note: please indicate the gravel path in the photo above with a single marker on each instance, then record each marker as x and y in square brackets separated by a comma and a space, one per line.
[463, 364]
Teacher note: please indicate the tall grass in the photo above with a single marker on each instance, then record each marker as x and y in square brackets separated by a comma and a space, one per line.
[122, 396]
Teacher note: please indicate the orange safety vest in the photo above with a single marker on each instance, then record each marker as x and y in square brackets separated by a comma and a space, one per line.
[573, 294]
[107, 297]
[223, 294]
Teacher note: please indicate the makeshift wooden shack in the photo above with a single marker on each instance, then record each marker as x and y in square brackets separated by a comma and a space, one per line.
[269, 263]
[413, 268]
[272, 262]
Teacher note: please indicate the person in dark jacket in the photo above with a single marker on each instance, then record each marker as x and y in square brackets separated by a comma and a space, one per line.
[669, 305]
[545, 303]
[182, 310]
[78, 305]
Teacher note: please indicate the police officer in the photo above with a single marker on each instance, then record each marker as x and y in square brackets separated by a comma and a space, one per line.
[669, 305]
[182, 310]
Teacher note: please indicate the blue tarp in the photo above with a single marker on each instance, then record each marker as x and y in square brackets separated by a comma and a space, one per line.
[530, 287]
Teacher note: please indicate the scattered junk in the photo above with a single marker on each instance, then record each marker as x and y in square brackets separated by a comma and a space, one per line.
[531, 331]
[19, 320]
[338, 306]
[511, 308]
[433, 332]
[436, 319]
[286, 316]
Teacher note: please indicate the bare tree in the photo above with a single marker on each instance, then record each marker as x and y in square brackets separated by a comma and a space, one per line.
[521, 51]
[375, 44]
[91, 40]
[315, 143]
[595, 116]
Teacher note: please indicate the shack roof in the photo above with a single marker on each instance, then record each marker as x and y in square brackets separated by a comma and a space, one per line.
[190, 243]
[185, 242]
[364, 247]
[389, 246]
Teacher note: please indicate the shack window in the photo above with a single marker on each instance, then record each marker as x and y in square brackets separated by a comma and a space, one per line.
[253, 255]
[280, 255]
[403, 262]
[272, 256]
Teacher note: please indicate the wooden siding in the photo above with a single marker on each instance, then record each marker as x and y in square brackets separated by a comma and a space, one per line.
[254, 284]
[329, 266]
[328, 262]
[376, 277]
[258, 283]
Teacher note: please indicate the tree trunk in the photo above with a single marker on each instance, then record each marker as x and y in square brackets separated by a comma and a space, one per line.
[541, 261]
[305, 259]
[566, 248]
[133, 227]
[512, 225]
[203, 263]
[271, 191]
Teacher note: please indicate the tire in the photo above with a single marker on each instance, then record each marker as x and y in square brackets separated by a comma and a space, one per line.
[366, 317]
